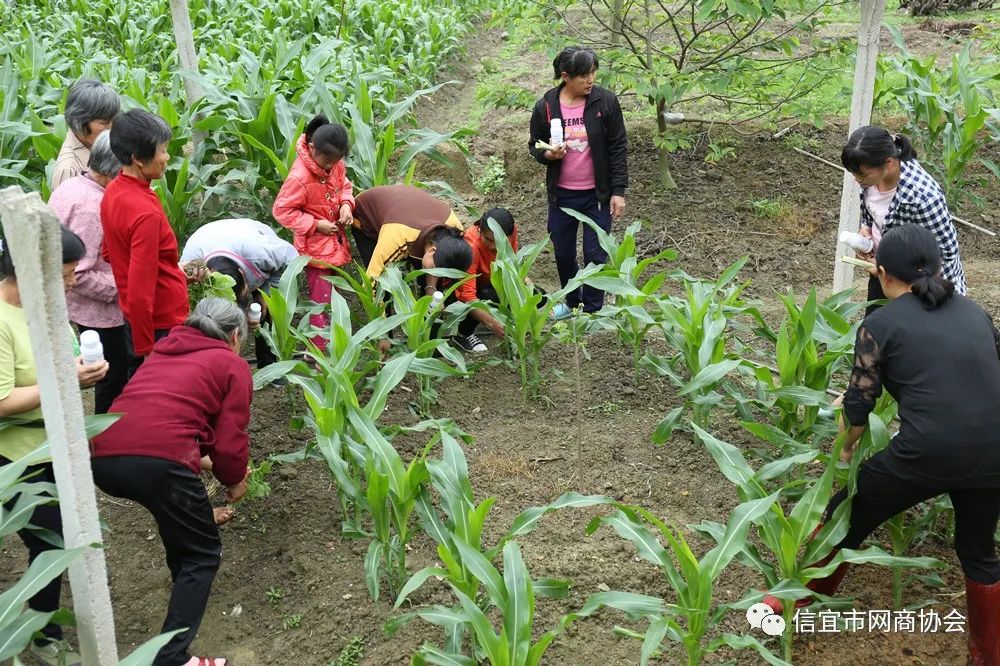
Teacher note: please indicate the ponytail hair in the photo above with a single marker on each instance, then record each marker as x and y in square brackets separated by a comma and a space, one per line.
[911, 254]
[328, 138]
[872, 147]
[218, 318]
[501, 216]
[575, 61]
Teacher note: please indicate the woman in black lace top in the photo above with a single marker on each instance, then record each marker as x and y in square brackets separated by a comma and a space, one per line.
[937, 354]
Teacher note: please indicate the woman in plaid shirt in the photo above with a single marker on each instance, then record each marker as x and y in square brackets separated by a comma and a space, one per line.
[895, 190]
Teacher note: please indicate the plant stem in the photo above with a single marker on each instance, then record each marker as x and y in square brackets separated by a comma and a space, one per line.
[897, 588]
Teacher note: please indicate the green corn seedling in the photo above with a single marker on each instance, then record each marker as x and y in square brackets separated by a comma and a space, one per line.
[523, 310]
[625, 277]
[789, 537]
[695, 613]
[418, 328]
[460, 547]
[698, 327]
[813, 342]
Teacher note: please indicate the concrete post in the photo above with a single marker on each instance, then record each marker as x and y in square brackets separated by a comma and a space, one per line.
[34, 236]
[869, 27]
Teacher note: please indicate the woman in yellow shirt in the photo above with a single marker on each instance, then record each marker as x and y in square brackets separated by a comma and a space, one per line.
[20, 397]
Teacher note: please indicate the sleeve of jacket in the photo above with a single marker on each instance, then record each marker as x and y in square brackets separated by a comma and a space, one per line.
[539, 132]
[617, 147]
[289, 208]
[143, 271]
[347, 191]
[231, 452]
[932, 213]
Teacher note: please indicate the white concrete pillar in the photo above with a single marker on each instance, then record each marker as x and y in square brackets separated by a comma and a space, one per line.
[869, 27]
[34, 236]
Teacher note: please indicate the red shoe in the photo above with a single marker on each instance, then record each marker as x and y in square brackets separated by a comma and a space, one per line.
[983, 603]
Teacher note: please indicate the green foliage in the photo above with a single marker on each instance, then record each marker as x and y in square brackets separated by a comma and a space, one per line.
[265, 70]
[795, 540]
[215, 285]
[352, 653]
[695, 612]
[947, 112]
[501, 95]
[257, 485]
[699, 329]
[491, 177]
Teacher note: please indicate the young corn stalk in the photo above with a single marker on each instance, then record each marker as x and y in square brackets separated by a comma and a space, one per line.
[460, 547]
[698, 327]
[419, 329]
[695, 613]
[796, 541]
[523, 310]
[813, 343]
[624, 276]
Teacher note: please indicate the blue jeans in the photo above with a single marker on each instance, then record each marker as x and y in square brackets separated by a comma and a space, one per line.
[563, 232]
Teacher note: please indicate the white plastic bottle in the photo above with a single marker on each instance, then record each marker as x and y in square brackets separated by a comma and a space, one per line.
[857, 242]
[436, 300]
[91, 348]
[255, 313]
[555, 132]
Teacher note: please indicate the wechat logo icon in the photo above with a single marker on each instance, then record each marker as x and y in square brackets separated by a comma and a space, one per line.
[760, 616]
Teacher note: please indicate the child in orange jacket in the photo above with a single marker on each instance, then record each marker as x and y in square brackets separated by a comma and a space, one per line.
[316, 202]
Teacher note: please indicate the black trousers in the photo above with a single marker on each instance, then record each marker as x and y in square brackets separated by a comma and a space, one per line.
[365, 246]
[563, 230]
[874, 293]
[116, 343]
[178, 501]
[262, 350]
[134, 360]
[46, 516]
[883, 494]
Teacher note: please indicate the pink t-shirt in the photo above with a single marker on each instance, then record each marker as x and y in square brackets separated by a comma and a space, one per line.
[878, 203]
[577, 170]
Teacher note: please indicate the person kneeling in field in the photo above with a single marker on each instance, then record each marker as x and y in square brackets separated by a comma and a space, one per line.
[484, 252]
[251, 253]
[937, 353]
[190, 399]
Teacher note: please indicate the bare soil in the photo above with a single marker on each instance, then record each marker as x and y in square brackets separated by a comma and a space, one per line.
[590, 434]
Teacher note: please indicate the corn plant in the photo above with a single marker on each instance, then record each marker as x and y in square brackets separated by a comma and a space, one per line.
[813, 342]
[698, 326]
[625, 277]
[523, 310]
[695, 612]
[946, 112]
[460, 547]
[798, 539]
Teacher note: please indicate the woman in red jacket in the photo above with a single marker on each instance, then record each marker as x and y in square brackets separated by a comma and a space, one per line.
[138, 241]
[316, 202]
[190, 399]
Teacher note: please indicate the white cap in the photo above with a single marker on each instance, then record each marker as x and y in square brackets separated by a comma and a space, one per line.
[90, 339]
[255, 308]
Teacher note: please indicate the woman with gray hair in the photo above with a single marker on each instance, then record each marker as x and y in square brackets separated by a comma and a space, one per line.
[93, 302]
[191, 398]
[90, 108]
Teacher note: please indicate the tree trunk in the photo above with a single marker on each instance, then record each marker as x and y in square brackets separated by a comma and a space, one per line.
[616, 22]
[663, 155]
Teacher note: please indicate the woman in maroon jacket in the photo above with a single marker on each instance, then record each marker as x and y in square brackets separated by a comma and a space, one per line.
[191, 398]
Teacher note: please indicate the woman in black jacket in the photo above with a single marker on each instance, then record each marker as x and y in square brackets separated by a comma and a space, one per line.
[587, 173]
[937, 353]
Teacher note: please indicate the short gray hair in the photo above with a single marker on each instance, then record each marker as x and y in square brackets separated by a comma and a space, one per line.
[102, 160]
[218, 318]
[88, 100]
